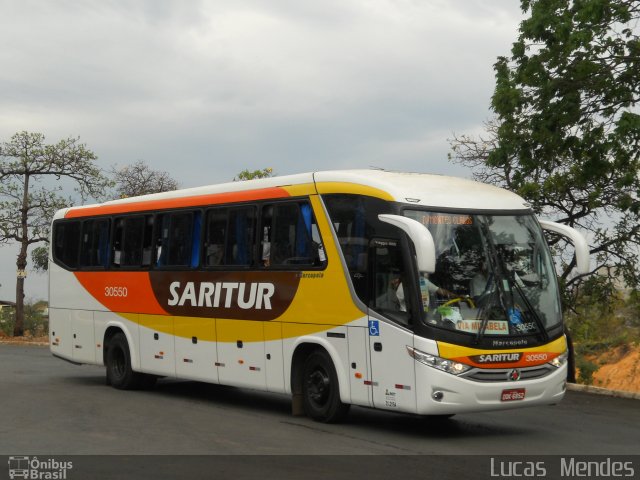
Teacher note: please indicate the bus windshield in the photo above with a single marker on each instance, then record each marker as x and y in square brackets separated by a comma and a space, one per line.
[494, 275]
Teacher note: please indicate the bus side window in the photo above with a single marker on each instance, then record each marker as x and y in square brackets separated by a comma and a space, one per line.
[116, 247]
[94, 250]
[240, 236]
[216, 230]
[266, 225]
[291, 235]
[66, 243]
[133, 234]
[175, 240]
[389, 287]
[147, 241]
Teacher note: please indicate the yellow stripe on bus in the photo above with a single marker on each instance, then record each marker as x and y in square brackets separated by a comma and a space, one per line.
[352, 188]
[448, 350]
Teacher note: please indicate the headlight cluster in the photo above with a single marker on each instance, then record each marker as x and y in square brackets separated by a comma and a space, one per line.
[560, 359]
[454, 368]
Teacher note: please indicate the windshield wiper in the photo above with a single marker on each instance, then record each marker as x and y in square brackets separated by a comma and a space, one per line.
[538, 321]
[500, 276]
[496, 270]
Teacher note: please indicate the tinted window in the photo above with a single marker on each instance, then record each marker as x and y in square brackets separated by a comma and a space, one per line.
[355, 220]
[240, 236]
[66, 243]
[289, 236]
[179, 239]
[215, 235]
[94, 251]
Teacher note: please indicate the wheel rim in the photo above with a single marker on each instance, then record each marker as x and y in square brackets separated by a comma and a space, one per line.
[319, 386]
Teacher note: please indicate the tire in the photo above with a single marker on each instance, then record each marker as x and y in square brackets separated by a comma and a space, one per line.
[119, 372]
[320, 390]
[571, 361]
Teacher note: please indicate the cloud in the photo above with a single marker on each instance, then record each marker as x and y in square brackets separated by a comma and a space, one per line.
[204, 89]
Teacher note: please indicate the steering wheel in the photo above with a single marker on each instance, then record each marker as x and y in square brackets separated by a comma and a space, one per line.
[468, 300]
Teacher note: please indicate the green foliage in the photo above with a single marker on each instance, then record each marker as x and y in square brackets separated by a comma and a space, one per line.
[250, 175]
[603, 318]
[36, 323]
[566, 135]
[586, 368]
[40, 258]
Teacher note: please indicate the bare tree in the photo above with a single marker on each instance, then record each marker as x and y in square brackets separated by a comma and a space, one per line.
[140, 179]
[32, 177]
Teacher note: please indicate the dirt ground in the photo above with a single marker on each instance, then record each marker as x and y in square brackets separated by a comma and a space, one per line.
[619, 368]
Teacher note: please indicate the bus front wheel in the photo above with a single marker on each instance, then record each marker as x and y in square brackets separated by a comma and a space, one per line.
[120, 375]
[320, 390]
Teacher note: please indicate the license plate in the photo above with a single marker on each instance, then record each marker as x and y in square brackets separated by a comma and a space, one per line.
[512, 394]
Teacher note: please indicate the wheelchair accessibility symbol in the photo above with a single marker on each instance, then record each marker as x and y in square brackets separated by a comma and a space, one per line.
[374, 328]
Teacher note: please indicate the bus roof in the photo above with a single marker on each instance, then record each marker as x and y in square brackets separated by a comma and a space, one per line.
[428, 190]
[417, 189]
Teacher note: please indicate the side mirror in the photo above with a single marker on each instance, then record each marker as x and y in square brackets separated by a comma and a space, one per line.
[576, 238]
[421, 238]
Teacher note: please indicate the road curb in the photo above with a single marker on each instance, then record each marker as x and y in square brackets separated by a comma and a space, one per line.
[33, 344]
[602, 391]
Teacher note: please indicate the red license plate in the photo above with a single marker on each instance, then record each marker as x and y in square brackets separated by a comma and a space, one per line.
[512, 394]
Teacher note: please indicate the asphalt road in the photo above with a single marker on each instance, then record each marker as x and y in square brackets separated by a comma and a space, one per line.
[50, 407]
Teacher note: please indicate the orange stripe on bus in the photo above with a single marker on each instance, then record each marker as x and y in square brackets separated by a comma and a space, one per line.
[170, 203]
[122, 291]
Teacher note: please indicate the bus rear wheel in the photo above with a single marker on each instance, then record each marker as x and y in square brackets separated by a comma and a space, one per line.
[120, 375]
[320, 390]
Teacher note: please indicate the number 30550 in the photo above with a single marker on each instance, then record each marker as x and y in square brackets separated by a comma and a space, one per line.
[115, 291]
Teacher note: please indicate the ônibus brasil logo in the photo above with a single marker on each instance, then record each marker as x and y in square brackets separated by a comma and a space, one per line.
[38, 469]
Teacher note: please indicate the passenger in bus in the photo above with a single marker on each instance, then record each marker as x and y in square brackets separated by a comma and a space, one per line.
[480, 283]
[266, 253]
[394, 298]
[214, 254]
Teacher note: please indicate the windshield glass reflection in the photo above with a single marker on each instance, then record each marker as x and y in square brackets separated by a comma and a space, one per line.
[494, 275]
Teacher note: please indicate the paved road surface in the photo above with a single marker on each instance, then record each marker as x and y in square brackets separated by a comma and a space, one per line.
[51, 407]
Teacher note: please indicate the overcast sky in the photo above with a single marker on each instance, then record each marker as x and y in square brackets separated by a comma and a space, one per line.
[205, 89]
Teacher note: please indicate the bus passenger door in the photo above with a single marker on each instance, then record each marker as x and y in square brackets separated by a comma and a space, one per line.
[392, 369]
[359, 366]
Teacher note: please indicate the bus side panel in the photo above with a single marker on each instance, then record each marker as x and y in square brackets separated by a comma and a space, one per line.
[60, 340]
[196, 349]
[82, 334]
[358, 361]
[66, 291]
[274, 357]
[157, 348]
[241, 355]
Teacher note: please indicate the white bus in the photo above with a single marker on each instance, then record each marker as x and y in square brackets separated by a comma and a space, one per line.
[400, 291]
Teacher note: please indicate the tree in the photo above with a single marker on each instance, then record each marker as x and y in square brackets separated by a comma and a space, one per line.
[250, 175]
[32, 175]
[140, 179]
[566, 134]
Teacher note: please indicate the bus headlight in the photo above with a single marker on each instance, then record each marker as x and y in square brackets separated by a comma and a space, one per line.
[449, 366]
[560, 360]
